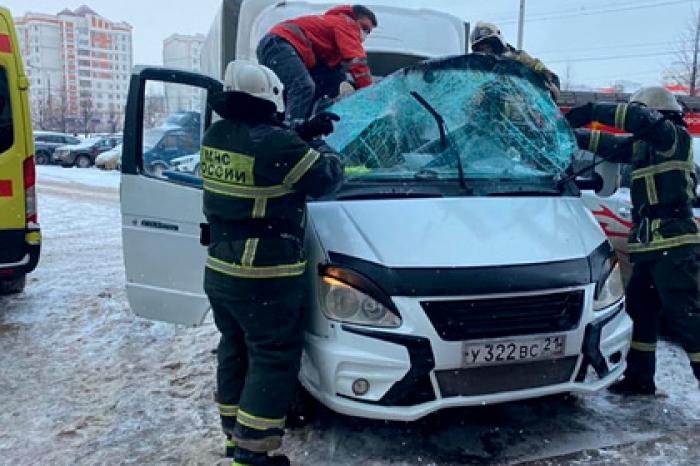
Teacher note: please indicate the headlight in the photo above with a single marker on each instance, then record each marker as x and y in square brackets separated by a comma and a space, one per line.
[342, 302]
[610, 291]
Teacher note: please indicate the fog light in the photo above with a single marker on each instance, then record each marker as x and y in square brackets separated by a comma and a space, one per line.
[360, 387]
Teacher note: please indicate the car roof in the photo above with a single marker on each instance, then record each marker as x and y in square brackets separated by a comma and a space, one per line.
[51, 133]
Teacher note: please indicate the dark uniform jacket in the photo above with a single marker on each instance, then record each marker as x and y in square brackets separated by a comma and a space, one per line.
[663, 176]
[257, 174]
[536, 65]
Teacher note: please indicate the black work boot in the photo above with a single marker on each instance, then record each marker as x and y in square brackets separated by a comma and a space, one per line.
[631, 387]
[639, 376]
[230, 447]
[250, 458]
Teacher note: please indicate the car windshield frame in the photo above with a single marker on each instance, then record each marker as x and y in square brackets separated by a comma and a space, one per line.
[532, 144]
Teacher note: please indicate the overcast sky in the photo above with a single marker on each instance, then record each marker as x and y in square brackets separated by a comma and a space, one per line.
[601, 41]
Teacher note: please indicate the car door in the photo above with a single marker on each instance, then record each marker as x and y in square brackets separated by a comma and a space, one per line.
[161, 216]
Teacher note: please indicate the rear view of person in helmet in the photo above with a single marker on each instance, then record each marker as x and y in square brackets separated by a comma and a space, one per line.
[664, 242]
[487, 38]
[257, 174]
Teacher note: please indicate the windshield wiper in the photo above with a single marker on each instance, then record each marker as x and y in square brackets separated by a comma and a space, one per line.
[443, 134]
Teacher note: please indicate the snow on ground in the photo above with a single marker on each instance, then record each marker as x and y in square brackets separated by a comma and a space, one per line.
[73, 175]
[84, 381]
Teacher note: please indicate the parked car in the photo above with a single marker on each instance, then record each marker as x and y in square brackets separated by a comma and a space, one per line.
[162, 145]
[111, 159]
[187, 164]
[185, 120]
[46, 142]
[83, 155]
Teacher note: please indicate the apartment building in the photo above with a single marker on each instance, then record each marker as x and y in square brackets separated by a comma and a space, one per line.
[78, 64]
[183, 52]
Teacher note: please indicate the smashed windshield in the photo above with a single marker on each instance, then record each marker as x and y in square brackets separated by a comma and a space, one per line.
[499, 119]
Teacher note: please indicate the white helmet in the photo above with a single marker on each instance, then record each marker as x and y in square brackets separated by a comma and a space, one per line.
[485, 31]
[658, 98]
[256, 80]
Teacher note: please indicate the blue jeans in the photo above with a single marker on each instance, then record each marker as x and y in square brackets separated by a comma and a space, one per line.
[282, 58]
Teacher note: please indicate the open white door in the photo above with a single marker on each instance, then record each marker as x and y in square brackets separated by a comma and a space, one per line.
[162, 209]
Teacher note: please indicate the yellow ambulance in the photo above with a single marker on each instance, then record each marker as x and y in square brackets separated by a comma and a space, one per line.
[20, 237]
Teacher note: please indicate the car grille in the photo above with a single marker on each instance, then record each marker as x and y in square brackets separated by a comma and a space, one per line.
[504, 378]
[500, 317]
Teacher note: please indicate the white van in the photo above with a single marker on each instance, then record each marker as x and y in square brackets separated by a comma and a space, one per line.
[457, 266]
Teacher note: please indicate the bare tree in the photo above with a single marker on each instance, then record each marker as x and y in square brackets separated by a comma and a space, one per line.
[86, 113]
[684, 70]
[113, 118]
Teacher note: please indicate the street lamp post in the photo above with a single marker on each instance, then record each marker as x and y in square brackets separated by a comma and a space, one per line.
[521, 22]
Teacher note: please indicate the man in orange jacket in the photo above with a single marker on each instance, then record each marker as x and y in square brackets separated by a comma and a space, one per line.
[332, 42]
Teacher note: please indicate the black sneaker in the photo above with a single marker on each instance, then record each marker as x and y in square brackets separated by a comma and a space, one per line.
[249, 458]
[631, 387]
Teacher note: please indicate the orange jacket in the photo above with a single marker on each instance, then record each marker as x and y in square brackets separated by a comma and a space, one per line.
[333, 38]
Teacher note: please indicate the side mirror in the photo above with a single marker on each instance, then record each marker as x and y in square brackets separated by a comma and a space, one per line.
[609, 174]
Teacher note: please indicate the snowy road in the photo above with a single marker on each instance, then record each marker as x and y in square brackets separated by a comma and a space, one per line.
[83, 381]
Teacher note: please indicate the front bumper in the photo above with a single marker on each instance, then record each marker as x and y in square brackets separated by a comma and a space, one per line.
[61, 157]
[407, 368]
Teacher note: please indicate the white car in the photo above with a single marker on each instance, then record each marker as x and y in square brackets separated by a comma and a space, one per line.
[110, 160]
[453, 268]
[187, 164]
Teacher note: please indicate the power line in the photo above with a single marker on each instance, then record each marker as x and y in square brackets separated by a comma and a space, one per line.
[584, 6]
[610, 57]
[600, 11]
[616, 47]
[627, 75]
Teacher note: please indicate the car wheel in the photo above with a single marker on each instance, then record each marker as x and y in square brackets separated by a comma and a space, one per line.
[16, 285]
[42, 158]
[158, 169]
[83, 161]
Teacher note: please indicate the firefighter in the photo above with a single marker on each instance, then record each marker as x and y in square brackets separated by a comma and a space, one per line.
[257, 174]
[664, 242]
[487, 38]
[323, 46]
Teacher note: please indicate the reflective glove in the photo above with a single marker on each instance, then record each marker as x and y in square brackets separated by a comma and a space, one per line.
[318, 125]
[580, 116]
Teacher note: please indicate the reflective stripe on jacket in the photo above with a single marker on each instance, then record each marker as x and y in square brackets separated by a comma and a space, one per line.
[261, 171]
[663, 173]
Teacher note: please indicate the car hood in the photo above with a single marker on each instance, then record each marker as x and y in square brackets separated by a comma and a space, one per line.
[457, 232]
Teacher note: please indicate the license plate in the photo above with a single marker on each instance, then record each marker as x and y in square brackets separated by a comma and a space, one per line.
[510, 351]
